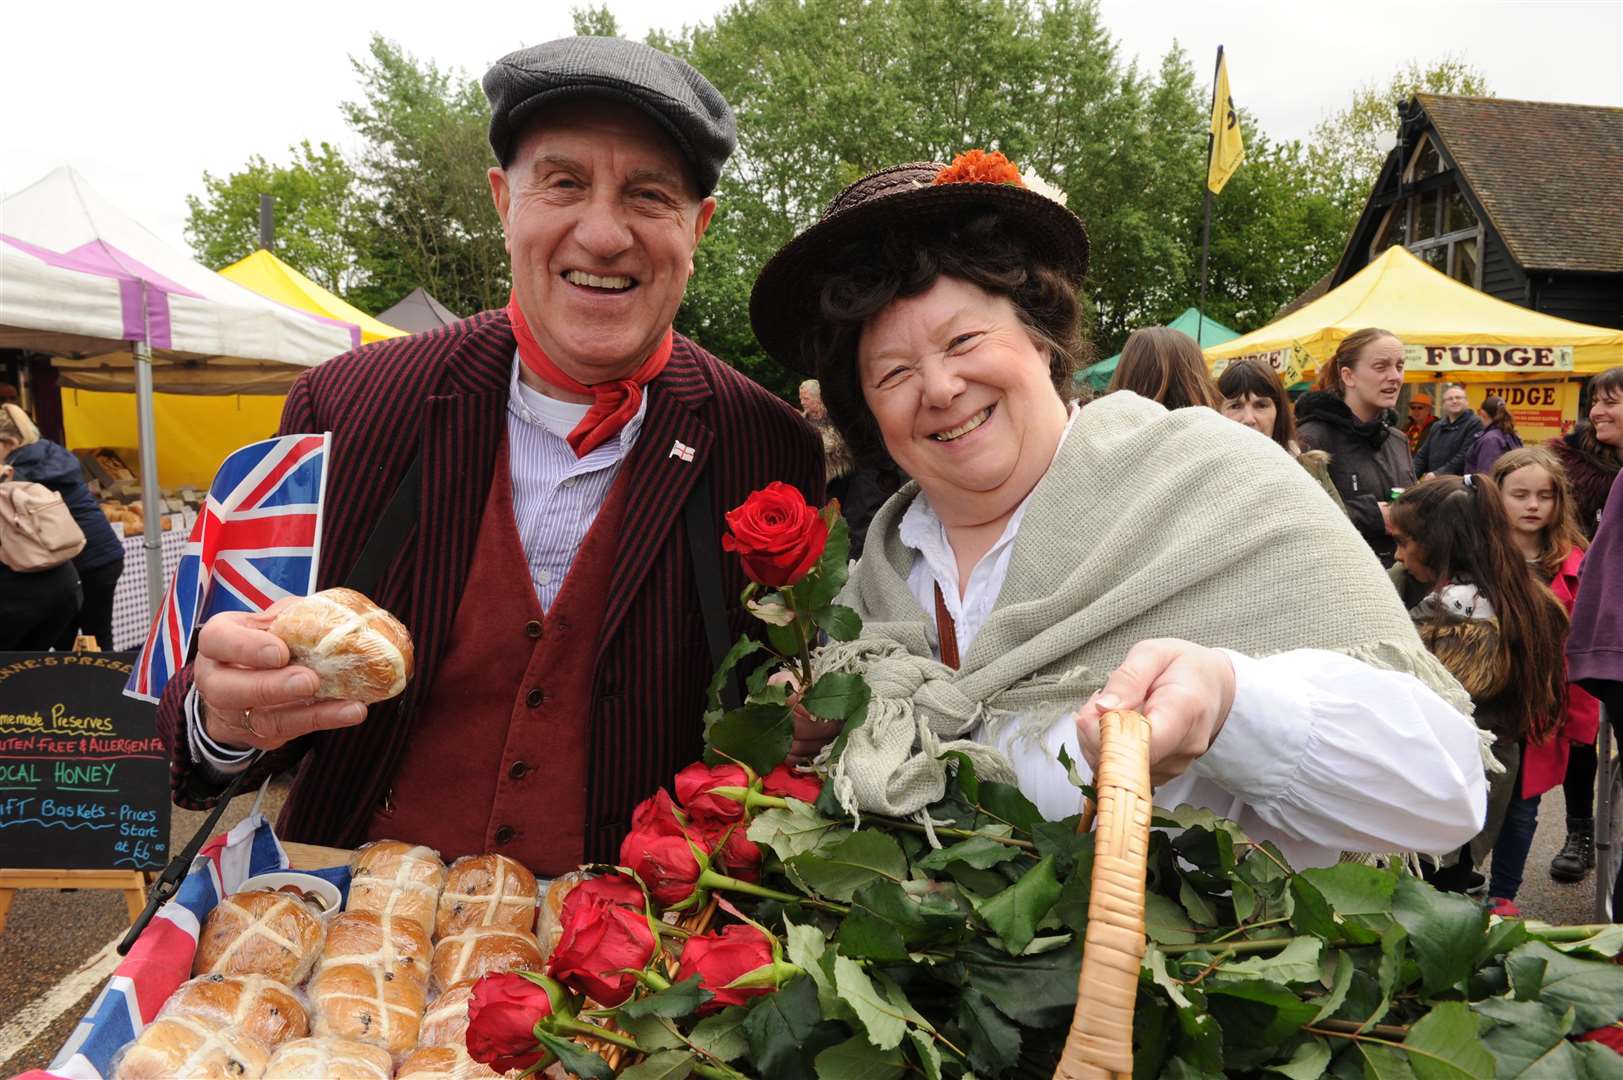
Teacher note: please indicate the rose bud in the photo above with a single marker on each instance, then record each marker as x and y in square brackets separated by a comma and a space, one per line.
[600, 939]
[786, 783]
[718, 959]
[694, 788]
[778, 537]
[501, 1021]
[654, 816]
[735, 852]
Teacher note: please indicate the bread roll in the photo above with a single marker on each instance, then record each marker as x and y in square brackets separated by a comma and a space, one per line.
[394, 878]
[259, 933]
[549, 919]
[360, 651]
[329, 1059]
[395, 943]
[184, 1046]
[443, 1063]
[260, 1007]
[368, 1005]
[464, 957]
[446, 1021]
[486, 890]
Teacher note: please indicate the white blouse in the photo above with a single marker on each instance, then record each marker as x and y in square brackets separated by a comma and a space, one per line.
[1320, 753]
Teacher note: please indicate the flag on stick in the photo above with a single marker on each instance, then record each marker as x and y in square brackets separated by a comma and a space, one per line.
[1228, 149]
[255, 541]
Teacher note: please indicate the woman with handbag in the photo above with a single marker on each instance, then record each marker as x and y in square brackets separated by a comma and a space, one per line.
[36, 606]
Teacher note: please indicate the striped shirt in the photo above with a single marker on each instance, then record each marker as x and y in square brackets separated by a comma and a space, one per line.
[556, 497]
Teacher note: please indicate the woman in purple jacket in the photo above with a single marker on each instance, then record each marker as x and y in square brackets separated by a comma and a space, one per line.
[1498, 437]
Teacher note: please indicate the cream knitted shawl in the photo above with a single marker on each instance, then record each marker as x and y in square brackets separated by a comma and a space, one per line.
[1148, 524]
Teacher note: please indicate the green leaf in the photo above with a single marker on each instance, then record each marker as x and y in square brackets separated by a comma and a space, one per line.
[1443, 1045]
[1502, 936]
[785, 640]
[1593, 988]
[1199, 909]
[838, 622]
[837, 695]
[1340, 982]
[925, 1049]
[965, 780]
[1607, 942]
[744, 646]
[858, 1059]
[980, 852]
[828, 577]
[1155, 962]
[1309, 1062]
[1384, 1063]
[1061, 840]
[1297, 962]
[1255, 1012]
[1596, 1062]
[1528, 1039]
[1166, 922]
[721, 1035]
[1353, 888]
[887, 921]
[1037, 991]
[665, 1065]
[840, 870]
[785, 1030]
[1072, 906]
[994, 1043]
[883, 1021]
[757, 735]
[576, 1058]
[1445, 930]
[1006, 803]
[651, 1032]
[1014, 913]
[679, 999]
[795, 830]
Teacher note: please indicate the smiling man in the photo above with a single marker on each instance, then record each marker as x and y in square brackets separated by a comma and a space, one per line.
[537, 492]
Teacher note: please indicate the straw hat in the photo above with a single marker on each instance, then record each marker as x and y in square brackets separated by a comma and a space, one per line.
[784, 302]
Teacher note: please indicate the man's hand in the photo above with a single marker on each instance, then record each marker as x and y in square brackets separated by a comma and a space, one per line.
[250, 694]
[1183, 689]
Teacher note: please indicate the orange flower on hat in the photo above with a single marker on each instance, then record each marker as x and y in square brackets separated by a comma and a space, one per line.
[980, 167]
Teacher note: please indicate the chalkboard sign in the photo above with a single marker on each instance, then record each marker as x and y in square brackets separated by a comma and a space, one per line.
[84, 778]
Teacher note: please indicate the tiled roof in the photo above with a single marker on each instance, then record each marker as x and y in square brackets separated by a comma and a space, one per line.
[1549, 175]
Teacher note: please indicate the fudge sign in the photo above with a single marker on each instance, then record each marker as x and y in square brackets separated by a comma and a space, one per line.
[84, 777]
[1490, 358]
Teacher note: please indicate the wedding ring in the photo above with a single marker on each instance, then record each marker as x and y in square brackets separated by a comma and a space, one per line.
[248, 722]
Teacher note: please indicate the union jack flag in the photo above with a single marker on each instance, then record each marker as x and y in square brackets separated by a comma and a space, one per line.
[255, 541]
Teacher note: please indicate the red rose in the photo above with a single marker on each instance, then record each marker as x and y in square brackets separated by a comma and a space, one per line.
[777, 535]
[602, 938]
[786, 783]
[737, 854]
[666, 865]
[584, 899]
[656, 816]
[694, 786]
[501, 1021]
[718, 959]
[1611, 1035]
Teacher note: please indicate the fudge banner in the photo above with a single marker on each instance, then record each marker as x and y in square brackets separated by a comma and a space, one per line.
[84, 777]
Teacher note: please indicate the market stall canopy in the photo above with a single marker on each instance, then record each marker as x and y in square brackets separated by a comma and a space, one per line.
[270, 277]
[1211, 332]
[419, 313]
[1448, 328]
[84, 282]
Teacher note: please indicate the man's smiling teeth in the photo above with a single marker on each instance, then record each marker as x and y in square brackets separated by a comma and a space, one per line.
[965, 428]
[581, 277]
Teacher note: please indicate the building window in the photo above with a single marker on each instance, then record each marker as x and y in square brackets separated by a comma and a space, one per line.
[1438, 224]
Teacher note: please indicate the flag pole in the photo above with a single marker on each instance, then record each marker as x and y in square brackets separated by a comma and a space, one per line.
[1206, 212]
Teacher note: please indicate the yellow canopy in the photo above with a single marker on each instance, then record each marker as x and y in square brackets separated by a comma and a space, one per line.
[269, 276]
[1447, 327]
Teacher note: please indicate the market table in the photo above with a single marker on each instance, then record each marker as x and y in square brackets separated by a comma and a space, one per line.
[132, 614]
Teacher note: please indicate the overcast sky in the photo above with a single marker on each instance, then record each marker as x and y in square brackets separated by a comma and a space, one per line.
[143, 98]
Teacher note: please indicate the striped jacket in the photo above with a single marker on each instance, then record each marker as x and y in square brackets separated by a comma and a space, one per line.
[443, 395]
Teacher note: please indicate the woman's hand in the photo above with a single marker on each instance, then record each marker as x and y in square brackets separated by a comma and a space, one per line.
[1183, 689]
[251, 695]
[812, 733]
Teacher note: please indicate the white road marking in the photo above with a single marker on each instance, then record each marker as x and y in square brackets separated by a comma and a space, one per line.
[39, 1014]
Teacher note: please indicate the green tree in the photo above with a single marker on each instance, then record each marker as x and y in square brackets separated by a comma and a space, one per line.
[316, 213]
[595, 20]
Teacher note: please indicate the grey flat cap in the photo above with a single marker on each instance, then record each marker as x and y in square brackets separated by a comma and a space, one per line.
[674, 95]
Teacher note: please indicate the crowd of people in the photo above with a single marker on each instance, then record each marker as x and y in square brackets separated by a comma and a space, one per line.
[1485, 542]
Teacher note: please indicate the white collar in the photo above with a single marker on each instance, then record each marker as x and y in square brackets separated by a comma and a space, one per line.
[561, 417]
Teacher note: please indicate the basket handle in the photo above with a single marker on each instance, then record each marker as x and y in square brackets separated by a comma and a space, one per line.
[1100, 1043]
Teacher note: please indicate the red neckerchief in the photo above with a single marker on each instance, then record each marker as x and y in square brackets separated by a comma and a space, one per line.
[614, 403]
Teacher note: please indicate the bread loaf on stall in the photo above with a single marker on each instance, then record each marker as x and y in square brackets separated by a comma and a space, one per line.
[329, 1059]
[184, 1046]
[259, 933]
[359, 651]
[446, 1021]
[480, 950]
[259, 1007]
[486, 890]
[443, 1063]
[396, 943]
[368, 1005]
[395, 878]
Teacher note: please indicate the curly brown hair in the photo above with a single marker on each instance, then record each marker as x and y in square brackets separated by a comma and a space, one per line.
[869, 275]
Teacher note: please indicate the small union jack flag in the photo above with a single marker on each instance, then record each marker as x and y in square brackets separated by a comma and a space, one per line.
[255, 541]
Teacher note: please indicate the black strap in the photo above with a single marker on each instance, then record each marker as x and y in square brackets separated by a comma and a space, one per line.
[390, 531]
[706, 554]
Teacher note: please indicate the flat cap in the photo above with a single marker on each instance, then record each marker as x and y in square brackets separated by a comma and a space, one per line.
[680, 100]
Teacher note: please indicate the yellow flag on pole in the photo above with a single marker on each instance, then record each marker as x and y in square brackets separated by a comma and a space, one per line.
[1227, 148]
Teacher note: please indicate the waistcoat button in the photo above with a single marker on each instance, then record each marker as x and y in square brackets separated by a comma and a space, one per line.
[533, 628]
[535, 697]
[504, 834]
[518, 770]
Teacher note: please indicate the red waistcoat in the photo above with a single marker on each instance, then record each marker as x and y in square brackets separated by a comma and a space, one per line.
[498, 759]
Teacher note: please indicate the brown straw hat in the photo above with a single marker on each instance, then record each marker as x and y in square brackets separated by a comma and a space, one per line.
[785, 303]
